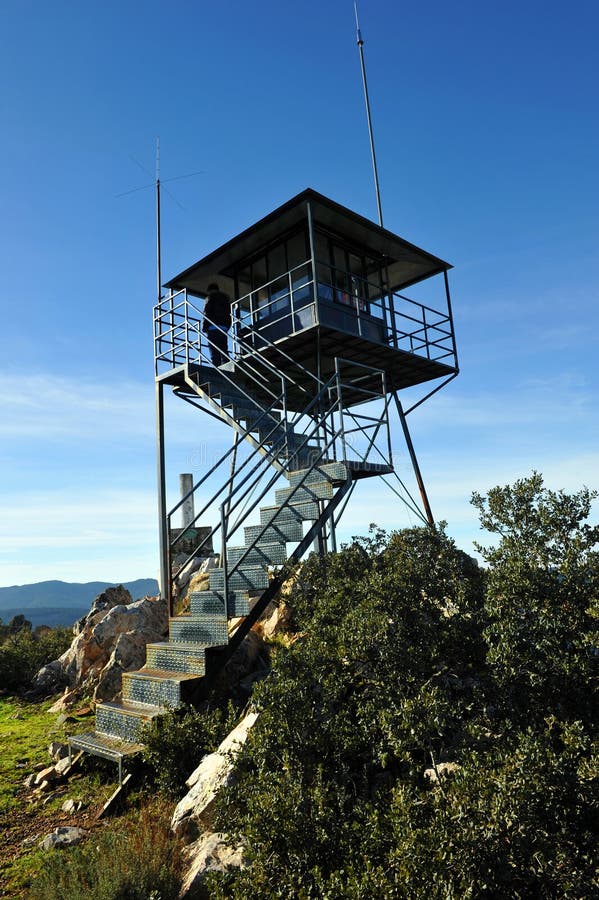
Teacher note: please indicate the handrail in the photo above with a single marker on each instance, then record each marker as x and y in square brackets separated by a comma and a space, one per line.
[179, 340]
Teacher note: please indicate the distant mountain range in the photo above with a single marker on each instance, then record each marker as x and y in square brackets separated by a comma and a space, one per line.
[60, 602]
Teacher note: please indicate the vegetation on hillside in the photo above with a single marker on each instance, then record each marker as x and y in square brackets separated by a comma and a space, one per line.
[432, 734]
[431, 731]
[23, 651]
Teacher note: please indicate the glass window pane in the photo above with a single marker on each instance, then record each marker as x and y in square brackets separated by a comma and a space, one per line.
[321, 247]
[297, 251]
[277, 263]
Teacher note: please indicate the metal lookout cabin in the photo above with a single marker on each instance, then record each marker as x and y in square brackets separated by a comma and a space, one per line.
[323, 337]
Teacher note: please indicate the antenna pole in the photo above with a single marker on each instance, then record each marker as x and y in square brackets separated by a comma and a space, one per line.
[158, 242]
[368, 115]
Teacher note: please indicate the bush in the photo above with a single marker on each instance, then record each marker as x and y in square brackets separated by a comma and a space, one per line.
[406, 663]
[138, 860]
[175, 743]
[24, 652]
[542, 600]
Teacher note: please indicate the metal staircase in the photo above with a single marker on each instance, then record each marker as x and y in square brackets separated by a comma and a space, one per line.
[264, 528]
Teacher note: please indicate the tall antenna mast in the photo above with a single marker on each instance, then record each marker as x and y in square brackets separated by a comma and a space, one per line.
[368, 115]
[158, 242]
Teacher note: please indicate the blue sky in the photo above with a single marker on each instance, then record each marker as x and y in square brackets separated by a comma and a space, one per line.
[487, 140]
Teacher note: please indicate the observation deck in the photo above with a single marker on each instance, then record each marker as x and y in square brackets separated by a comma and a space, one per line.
[309, 283]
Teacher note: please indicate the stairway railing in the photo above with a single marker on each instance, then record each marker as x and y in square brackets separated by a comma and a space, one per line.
[325, 419]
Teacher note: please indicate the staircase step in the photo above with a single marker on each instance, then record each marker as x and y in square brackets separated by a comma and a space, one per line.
[286, 531]
[209, 631]
[331, 471]
[124, 720]
[316, 490]
[209, 603]
[260, 555]
[103, 745]
[296, 512]
[186, 658]
[155, 687]
[247, 578]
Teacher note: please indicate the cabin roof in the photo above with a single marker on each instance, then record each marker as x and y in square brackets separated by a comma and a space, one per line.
[406, 263]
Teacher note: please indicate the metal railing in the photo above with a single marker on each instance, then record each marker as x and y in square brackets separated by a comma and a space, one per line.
[293, 301]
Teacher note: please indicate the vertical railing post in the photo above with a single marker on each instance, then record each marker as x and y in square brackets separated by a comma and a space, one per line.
[449, 309]
[340, 405]
[313, 264]
[223, 554]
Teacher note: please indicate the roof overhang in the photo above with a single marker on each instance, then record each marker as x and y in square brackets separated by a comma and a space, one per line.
[406, 264]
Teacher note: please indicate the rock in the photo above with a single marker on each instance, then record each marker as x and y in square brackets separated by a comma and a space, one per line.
[247, 684]
[252, 655]
[30, 780]
[57, 750]
[443, 769]
[62, 767]
[71, 806]
[50, 678]
[29, 841]
[62, 837]
[213, 773]
[68, 699]
[210, 853]
[108, 641]
[47, 774]
[275, 619]
[111, 597]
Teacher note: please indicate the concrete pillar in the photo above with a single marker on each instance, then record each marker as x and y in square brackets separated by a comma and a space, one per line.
[187, 510]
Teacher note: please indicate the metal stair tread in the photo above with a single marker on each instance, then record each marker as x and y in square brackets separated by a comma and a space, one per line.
[104, 744]
[179, 645]
[261, 546]
[162, 674]
[127, 708]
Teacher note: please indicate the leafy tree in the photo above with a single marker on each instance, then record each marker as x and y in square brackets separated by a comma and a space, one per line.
[542, 598]
[411, 658]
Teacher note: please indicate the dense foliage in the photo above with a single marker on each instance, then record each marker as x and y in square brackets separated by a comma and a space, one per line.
[24, 651]
[432, 733]
[137, 860]
[176, 741]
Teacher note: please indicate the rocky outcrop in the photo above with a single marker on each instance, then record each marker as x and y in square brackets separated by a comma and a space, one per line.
[214, 773]
[109, 640]
[210, 853]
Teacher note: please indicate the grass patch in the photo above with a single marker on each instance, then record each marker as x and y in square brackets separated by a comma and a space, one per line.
[137, 859]
[26, 729]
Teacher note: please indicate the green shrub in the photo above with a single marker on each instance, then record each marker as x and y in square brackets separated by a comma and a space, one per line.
[136, 860]
[22, 655]
[542, 600]
[176, 742]
[398, 672]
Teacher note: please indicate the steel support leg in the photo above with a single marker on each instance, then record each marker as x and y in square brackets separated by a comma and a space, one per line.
[165, 575]
[415, 466]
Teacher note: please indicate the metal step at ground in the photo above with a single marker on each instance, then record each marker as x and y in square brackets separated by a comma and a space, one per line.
[105, 746]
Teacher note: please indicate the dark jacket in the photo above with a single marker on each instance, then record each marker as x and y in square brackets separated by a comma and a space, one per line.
[217, 309]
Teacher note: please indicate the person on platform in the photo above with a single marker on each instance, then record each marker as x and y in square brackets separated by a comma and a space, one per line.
[217, 321]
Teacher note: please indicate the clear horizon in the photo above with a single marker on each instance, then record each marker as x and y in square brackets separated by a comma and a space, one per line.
[487, 149]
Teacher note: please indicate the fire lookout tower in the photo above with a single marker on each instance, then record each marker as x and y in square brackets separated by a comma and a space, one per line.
[322, 339]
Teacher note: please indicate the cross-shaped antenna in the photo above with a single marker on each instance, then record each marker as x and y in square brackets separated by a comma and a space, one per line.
[157, 185]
